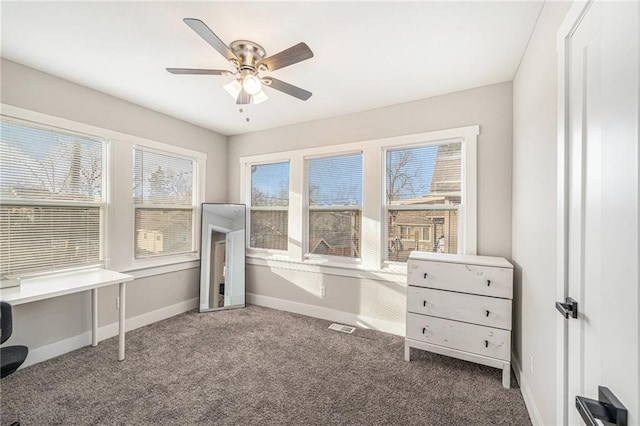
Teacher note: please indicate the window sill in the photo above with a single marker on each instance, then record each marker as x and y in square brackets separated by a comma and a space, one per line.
[150, 267]
[390, 272]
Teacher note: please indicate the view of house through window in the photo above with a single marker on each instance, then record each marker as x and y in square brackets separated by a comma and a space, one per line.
[163, 201]
[269, 206]
[335, 205]
[52, 198]
[374, 201]
[423, 197]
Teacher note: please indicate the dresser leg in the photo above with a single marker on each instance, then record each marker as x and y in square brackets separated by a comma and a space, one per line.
[407, 352]
[506, 376]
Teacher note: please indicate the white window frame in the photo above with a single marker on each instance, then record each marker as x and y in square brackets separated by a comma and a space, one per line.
[102, 205]
[246, 196]
[307, 210]
[468, 244]
[119, 209]
[194, 212]
[373, 240]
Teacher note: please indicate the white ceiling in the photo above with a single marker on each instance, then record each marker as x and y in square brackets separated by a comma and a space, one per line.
[367, 54]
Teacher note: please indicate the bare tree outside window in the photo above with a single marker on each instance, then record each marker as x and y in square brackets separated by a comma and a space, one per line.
[51, 190]
[423, 194]
[402, 176]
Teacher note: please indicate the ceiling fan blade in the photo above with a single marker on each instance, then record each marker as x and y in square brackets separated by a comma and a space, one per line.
[210, 37]
[243, 98]
[198, 71]
[290, 56]
[287, 88]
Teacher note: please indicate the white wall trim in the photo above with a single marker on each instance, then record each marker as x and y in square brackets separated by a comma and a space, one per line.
[527, 394]
[58, 348]
[397, 274]
[111, 330]
[62, 347]
[76, 126]
[118, 206]
[373, 203]
[467, 132]
[348, 318]
[142, 272]
[569, 25]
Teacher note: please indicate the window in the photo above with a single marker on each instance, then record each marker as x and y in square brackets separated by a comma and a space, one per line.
[423, 199]
[163, 199]
[269, 206]
[362, 205]
[334, 194]
[52, 198]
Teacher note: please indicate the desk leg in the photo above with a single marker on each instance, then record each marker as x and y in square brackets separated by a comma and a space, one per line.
[121, 330]
[94, 317]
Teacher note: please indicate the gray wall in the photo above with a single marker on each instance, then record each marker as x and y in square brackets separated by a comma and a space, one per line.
[534, 211]
[490, 107]
[50, 321]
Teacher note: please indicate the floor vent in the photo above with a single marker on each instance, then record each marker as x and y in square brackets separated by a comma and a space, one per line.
[342, 328]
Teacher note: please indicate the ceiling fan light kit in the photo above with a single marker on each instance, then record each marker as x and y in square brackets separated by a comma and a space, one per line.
[235, 87]
[251, 84]
[249, 59]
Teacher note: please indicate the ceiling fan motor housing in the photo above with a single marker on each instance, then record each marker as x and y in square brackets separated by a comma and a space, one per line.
[249, 54]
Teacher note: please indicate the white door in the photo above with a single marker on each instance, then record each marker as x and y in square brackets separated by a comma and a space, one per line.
[219, 256]
[599, 216]
[235, 287]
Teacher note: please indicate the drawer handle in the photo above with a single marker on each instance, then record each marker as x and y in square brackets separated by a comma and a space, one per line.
[486, 343]
[425, 275]
[488, 283]
[424, 303]
[487, 313]
[423, 330]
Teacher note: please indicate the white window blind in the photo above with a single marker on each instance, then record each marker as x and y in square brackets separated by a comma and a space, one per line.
[51, 198]
[163, 195]
[269, 206]
[423, 199]
[335, 205]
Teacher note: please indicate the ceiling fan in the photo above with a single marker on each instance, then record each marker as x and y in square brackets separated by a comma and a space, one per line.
[248, 58]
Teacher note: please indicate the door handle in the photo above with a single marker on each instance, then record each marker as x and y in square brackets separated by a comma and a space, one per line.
[607, 408]
[569, 308]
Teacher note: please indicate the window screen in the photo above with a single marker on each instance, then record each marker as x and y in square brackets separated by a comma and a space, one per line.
[335, 205]
[163, 188]
[51, 198]
[269, 206]
[423, 197]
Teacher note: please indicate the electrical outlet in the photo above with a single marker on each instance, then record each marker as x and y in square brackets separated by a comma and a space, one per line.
[531, 364]
[323, 291]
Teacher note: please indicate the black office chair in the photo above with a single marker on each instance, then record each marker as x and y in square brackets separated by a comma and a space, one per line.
[11, 357]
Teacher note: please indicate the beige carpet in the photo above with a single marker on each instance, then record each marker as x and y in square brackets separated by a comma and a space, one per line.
[257, 366]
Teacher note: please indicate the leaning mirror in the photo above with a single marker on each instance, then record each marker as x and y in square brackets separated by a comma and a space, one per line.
[222, 256]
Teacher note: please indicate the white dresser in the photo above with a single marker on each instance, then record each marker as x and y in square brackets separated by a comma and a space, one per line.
[460, 306]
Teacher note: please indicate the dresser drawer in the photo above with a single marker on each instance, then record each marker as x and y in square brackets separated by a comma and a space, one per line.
[483, 310]
[464, 278]
[477, 339]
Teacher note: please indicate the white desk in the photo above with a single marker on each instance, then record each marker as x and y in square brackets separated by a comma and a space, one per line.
[46, 287]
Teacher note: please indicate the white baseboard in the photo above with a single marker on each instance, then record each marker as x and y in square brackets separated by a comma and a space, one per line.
[527, 395]
[61, 347]
[342, 317]
[111, 330]
[58, 348]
